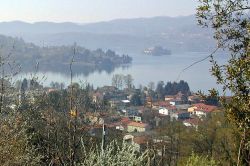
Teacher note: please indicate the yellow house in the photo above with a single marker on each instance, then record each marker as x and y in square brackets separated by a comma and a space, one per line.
[137, 127]
[192, 109]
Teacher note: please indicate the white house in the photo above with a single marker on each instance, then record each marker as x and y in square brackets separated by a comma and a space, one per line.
[191, 123]
[201, 110]
[163, 111]
[172, 103]
[120, 127]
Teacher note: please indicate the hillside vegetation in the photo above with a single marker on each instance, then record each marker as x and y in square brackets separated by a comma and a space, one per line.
[57, 58]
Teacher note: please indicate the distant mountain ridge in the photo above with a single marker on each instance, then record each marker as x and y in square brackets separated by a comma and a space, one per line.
[123, 35]
[19, 27]
[120, 26]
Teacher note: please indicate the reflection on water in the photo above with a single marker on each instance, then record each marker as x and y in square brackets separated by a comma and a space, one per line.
[144, 69]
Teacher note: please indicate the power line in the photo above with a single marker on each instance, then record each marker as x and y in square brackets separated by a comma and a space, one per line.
[196, 62]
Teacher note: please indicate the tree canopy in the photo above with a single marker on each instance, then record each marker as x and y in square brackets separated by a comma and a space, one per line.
[230, 21]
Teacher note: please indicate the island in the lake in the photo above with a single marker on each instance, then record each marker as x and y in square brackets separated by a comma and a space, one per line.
[157, 51]
[58, 58]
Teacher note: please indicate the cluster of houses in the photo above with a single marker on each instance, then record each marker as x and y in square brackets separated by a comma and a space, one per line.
[136, 122]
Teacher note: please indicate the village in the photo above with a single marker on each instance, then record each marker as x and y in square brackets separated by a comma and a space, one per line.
[139, 124]
[125, 83]
[131, 115]
[137, 116]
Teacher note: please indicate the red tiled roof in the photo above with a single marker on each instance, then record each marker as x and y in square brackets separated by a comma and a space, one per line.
[204, 107]
[136, 124]
[125, 120]
[122, 122]
[192, 121]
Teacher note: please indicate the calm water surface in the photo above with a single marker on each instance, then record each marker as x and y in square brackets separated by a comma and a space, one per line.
[145, 69]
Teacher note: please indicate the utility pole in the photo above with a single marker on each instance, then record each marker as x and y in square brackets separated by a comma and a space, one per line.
[2, 89]
[103, 137]
[73, 117]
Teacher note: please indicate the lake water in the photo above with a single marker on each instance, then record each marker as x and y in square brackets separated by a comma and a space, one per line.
[145, 69]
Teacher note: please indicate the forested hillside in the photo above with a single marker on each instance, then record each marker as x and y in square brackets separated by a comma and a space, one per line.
[57, 58]
[179, 34]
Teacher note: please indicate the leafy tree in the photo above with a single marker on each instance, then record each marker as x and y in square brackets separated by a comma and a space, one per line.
[115, 154]
[195, 160]
[212, 100]
[34, 84]
[215, 138]
[183, 87]
[24, 85]
[58, 100]
[117, 81]
[136, 99]
[151, 85]
[15, 148]
[128, 81]
[168, 88]
[176, 87]
[160, 89]
[56, 85]
[231, 24]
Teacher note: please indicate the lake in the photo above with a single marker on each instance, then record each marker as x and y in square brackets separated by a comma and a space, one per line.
[144, 69]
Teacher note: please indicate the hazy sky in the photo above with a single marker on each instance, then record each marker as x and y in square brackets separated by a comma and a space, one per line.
[83, 11]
